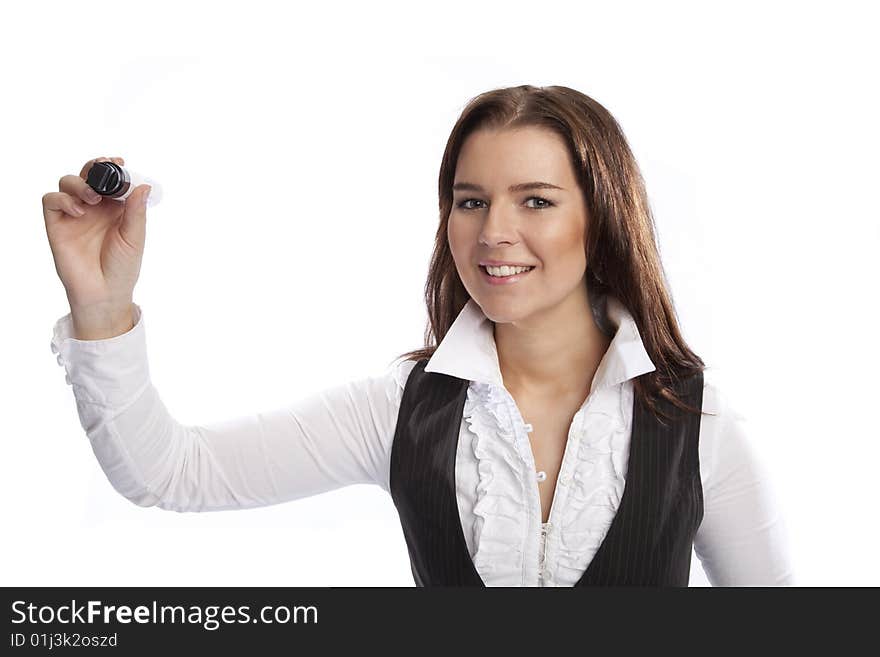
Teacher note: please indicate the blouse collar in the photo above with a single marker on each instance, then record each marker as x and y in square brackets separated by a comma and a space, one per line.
[468, 349]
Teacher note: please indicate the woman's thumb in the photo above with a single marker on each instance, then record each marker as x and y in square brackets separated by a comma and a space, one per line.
[134, 217]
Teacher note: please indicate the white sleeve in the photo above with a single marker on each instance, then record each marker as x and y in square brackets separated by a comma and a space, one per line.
[333, 438]
[742, 540]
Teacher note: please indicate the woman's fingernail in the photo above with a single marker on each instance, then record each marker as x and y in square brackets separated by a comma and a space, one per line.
[147, 195]
[78, 210]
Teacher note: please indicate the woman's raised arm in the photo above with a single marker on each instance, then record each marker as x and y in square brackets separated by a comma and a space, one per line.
[333, 438]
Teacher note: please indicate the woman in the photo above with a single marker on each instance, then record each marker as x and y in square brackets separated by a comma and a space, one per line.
[556, 430]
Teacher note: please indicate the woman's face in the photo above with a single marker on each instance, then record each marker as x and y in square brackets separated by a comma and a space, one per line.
[543, 227]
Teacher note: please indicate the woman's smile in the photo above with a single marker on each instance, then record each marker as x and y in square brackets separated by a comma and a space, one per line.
[502, 280]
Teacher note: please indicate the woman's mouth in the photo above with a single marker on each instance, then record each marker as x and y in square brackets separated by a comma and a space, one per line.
[512, 277]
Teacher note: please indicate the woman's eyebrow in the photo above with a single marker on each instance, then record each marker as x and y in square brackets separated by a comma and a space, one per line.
[521, 187]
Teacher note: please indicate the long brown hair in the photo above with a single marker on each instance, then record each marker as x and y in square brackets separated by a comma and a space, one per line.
[621, 252]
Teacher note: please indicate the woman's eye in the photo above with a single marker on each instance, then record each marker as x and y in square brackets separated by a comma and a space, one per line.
[547, 203]
[544, 203]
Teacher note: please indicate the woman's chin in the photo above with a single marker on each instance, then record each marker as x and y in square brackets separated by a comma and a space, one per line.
[503, 311]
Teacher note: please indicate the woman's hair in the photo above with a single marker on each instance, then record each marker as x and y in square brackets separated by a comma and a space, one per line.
[621, 253]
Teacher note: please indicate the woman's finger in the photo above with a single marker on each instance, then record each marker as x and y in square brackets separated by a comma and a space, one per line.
[60, 203]
[79, 188]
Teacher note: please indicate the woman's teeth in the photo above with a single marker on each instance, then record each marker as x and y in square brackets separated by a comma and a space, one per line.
[506, 271]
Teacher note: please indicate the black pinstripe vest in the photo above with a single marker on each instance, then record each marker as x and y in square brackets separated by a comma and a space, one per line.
[649, 541]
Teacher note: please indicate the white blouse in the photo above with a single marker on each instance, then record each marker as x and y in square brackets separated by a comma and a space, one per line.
[342, 435]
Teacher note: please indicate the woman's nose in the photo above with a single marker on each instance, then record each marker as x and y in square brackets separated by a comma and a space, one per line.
[499, 225]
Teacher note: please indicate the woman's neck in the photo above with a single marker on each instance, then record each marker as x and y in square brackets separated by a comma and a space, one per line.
[554, 352]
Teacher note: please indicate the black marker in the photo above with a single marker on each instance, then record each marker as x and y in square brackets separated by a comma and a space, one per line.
[114, 181]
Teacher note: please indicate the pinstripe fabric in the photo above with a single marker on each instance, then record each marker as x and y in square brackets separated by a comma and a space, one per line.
[649, 541]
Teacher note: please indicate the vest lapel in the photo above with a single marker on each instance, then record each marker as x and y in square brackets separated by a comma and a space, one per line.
[422, 482]
[650, 539]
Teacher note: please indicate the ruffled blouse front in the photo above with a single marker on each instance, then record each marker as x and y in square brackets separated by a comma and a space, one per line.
[497, 488]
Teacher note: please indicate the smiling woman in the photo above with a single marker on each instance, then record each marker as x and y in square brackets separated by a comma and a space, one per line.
[546, 299]
[591, 228]
[554, 430]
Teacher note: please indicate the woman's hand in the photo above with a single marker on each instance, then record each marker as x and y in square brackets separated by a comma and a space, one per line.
[98, 246]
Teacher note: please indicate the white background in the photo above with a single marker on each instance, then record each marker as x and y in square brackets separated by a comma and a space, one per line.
[299, 151]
